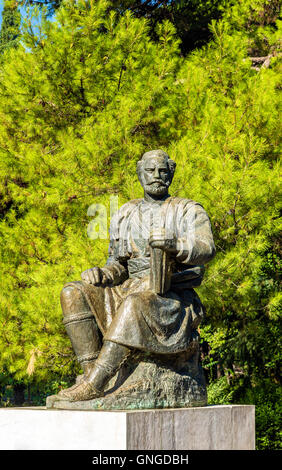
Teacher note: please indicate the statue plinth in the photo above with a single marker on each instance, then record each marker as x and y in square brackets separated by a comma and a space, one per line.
[223, 427]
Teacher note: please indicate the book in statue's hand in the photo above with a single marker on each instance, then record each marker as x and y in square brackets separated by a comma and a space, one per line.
[160, 272]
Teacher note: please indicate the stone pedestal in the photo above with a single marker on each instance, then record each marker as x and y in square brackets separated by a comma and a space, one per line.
[226, 427]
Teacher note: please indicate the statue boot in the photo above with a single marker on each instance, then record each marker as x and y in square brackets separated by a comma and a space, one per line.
[111, 358]
[81, 328]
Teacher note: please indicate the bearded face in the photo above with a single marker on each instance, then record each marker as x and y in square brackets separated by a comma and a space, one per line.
[155, 176]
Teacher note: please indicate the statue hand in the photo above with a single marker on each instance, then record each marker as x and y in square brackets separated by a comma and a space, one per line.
[95, 276]
[157, 239]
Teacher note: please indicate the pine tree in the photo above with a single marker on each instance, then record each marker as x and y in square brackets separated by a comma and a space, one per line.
[229, 153]
[10, 27]
[190, 18]
[82, 98]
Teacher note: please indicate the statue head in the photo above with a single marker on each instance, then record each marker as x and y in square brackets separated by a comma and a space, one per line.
[155, 172]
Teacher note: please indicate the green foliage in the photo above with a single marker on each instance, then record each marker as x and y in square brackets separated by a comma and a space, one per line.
[10, 27]
[82, 97]
[190, 18]
[50, 6]
[80, 100]
[267, 399]
[230, 155]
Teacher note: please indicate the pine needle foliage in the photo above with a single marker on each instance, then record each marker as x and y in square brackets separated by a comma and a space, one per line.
[10, 26]
[81, 98]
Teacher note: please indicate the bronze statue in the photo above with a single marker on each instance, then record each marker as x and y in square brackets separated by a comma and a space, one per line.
[143, 300]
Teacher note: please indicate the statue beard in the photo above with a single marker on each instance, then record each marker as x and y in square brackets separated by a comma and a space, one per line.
[157, 188]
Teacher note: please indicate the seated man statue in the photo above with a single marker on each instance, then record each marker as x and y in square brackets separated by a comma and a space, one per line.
[143, 298]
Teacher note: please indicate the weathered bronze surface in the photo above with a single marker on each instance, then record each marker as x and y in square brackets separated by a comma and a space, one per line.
[133, 323]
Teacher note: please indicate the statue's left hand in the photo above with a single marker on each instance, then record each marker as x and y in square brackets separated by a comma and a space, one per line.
[95, 276]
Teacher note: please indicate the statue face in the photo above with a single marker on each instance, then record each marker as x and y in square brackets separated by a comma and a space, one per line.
[155, 176]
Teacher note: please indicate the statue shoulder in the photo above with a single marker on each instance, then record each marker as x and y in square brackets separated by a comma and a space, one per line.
[123, 212]
[181, 201]
[183, 207]
[127, 208]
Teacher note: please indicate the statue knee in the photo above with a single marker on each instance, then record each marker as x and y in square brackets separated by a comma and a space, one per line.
[73, 300]
[66, 292]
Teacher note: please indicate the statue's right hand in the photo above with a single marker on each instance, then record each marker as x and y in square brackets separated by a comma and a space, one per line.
[94, 276]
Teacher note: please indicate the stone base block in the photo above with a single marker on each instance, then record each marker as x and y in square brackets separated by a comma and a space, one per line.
[226, 427]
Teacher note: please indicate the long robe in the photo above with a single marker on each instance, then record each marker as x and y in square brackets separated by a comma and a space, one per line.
[127, 311]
